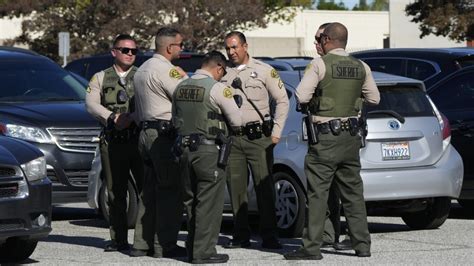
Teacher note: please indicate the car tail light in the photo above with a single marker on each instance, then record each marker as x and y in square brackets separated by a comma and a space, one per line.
[3, 129]
[443, 124]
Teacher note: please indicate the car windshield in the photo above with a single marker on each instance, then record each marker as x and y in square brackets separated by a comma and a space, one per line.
[405, 100]
[35, 80]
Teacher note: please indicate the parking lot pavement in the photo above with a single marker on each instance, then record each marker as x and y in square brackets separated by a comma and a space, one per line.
[78, 237]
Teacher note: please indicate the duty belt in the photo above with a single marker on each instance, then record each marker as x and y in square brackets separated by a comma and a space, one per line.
[198, 139]
[335, 126]
[121, 136]
[157, 124]
[253, 130]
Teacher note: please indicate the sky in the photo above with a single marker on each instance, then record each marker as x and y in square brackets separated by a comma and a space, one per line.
[351, 3]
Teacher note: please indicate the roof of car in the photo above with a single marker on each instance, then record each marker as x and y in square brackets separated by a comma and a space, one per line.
[6, 51]
[461, 51]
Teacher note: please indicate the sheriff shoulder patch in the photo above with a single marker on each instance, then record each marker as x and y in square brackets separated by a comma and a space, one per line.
[88, 89]
[274, 74]
[227, 92]
[174, 73]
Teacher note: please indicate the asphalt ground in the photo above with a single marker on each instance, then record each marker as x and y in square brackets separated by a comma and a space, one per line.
[79, 235]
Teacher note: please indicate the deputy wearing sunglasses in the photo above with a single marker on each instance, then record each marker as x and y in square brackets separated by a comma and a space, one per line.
[155, 81]
[109, 99]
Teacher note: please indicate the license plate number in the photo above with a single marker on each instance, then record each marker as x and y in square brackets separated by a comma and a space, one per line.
[395, 151]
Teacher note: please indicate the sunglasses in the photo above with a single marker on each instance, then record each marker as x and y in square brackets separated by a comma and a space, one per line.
[125, 50]
[181, 45]
[318, 39]
[223, 69]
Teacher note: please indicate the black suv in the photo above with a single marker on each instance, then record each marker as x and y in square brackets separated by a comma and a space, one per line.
[448, 74]
[25, 199]
[429, 65]
[88, 66]
[43, 104]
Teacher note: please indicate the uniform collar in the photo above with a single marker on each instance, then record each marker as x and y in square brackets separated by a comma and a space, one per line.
[338, 51]
[160, 57]
[203, 72]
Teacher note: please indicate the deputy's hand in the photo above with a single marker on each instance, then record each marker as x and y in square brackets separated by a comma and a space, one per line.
[123, 121]
[181, 71]
[275, 140]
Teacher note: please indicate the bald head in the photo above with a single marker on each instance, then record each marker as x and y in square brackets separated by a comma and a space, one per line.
[337, 33]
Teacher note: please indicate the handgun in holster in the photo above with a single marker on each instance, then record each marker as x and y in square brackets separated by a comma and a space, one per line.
[225, 144]
[311, 130]
[177, 148]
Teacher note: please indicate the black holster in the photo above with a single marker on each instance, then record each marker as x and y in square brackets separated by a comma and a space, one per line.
[311, 130]
[362, 132]
[267, 126]
[225, 144]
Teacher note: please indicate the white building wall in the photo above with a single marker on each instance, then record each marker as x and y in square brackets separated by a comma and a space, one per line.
[9, 28]
[367, 29]
[406, 34]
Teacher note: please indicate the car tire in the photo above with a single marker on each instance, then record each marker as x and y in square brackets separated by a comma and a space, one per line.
[132, 204]
[432, 217]
[466, 204]
[17, 250]
[290, 205]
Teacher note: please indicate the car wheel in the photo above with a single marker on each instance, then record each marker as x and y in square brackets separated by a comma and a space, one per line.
[132, 204]
[290, 205]
[466, 204]
[432, 217]
[16, 250]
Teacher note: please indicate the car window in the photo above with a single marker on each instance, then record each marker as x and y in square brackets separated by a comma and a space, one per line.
[386, 65]
[455, 93]
[36, 80]
[405, 100]
[466, 61]
[421, 70]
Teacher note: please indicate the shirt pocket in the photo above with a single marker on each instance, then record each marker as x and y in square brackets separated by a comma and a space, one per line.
[255, 89]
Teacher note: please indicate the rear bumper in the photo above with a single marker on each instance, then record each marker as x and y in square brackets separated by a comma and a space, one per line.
[18, 217]
[443, 179]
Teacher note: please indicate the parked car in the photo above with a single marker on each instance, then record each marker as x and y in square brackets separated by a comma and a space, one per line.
[43, 104]
[427, 64]
[25, 199]
[88, 66]
[452, 93]
[454, 96]
[418, 185]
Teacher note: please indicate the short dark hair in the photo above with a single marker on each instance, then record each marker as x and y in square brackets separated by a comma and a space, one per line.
[122, 37]
[165, 32]
[324, 25]
[214, 58]
[239, 35]
[337, 32]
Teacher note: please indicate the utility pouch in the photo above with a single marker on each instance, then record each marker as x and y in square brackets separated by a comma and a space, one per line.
[353, 126]
[225, 144]
[253, 130]
[194, 142]
[311, 130]
[335, 126]
[177, 149]
[267, 126]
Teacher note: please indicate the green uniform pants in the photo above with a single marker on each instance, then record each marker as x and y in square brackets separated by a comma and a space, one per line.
[162, 210]
[204, 185]
[118, 160]
[335, 157]
[258, 154]
[332, 224]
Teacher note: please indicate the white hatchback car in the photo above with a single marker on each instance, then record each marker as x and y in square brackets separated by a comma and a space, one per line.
[408, 164]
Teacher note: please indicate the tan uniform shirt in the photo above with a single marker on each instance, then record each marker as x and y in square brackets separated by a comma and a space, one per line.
[260, 81]
[155, 81]
[221, 97]
[94, 96]
[315, 72]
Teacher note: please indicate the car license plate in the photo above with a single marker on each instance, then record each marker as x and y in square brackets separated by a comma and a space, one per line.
[395, 151]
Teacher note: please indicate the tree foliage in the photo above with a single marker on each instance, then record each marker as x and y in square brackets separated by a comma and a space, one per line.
[451, 18]
[93, 24]
[330, 5]
[376, 5]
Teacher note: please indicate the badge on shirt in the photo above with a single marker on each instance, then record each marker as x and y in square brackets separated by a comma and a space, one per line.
[253, 74]
[227, 92]
[274, 74]
[174, 73]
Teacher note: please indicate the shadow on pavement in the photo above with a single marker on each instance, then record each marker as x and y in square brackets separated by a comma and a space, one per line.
[96, 242]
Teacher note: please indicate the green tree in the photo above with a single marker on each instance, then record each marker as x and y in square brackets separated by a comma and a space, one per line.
[379, 5]
[330, 5]
[362, 6]
[94, 23]
[451, 18]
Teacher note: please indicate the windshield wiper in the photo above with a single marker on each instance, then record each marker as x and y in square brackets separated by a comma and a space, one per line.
[390, 113]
